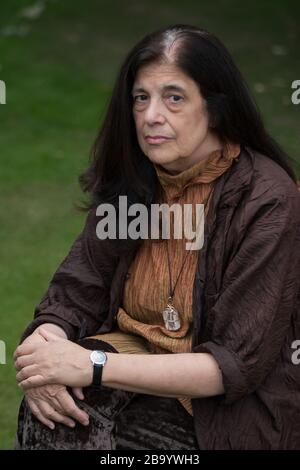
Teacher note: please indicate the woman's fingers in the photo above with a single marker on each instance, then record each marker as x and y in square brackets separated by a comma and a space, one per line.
[39, 415]
[51, 414]
[69, 407]
[63, 403]
[25, 349]
[23, 361]
[26, 372]
[48, 413]
[78, 393]
[34, 381]
[29, 377]
[63, 420]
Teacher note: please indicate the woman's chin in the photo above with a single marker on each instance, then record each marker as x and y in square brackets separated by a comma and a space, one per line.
[158, 159]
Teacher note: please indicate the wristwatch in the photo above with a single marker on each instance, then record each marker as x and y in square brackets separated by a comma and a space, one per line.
[98, 359]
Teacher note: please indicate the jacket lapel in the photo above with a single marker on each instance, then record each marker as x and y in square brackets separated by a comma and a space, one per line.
[228, 192]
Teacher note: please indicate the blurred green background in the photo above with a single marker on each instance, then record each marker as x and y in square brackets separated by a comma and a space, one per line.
[59, 60]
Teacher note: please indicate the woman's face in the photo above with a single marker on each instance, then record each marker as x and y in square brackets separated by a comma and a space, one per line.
[166, 102]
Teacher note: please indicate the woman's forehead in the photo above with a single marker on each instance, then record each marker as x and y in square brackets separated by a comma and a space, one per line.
[162, 87]
[162, 77]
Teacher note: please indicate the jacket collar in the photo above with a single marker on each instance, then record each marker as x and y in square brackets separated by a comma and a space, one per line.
[230, 188]
[237, 179]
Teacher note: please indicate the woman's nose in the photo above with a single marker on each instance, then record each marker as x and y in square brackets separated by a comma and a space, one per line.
[154, 113]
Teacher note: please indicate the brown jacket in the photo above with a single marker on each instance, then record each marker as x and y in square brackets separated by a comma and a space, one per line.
[246, 303]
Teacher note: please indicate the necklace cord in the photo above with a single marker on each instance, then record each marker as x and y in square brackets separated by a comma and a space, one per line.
[172, 291]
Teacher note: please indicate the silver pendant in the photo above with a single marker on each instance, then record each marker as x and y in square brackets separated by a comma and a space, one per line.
[171, 318]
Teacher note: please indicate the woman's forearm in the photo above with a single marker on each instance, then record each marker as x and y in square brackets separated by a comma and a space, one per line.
[61, 361]
[172, 375]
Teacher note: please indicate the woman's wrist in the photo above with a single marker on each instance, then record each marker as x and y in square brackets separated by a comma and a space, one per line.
[87, 368]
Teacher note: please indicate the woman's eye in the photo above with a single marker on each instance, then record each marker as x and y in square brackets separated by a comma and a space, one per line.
[139, 96]
[143, 98]
[176, 96]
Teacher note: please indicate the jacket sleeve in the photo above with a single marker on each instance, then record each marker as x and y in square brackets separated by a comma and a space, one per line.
[77, 298]
[252, 314]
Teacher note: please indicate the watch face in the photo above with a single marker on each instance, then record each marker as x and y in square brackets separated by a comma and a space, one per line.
[98, 357]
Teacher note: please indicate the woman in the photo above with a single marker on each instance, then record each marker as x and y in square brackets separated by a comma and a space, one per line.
[182, 129]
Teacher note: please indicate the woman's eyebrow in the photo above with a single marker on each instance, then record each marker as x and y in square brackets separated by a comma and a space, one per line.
[170, 87]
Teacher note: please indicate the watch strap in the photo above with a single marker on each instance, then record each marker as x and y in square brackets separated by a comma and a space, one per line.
[97, 375]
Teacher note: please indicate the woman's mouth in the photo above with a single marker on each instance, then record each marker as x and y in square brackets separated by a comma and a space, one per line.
[157, 140]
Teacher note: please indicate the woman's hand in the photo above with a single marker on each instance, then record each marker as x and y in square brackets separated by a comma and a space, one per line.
[56, 361]
[53, 403]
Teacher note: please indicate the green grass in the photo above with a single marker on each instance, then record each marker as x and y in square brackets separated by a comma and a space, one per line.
[59, 77]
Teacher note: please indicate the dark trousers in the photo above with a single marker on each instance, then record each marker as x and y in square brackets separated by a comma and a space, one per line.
[119, 420]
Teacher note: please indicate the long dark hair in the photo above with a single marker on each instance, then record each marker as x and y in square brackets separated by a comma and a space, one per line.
[117, 164]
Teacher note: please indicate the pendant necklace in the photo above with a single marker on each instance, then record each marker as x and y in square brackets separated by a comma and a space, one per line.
[170, 313]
